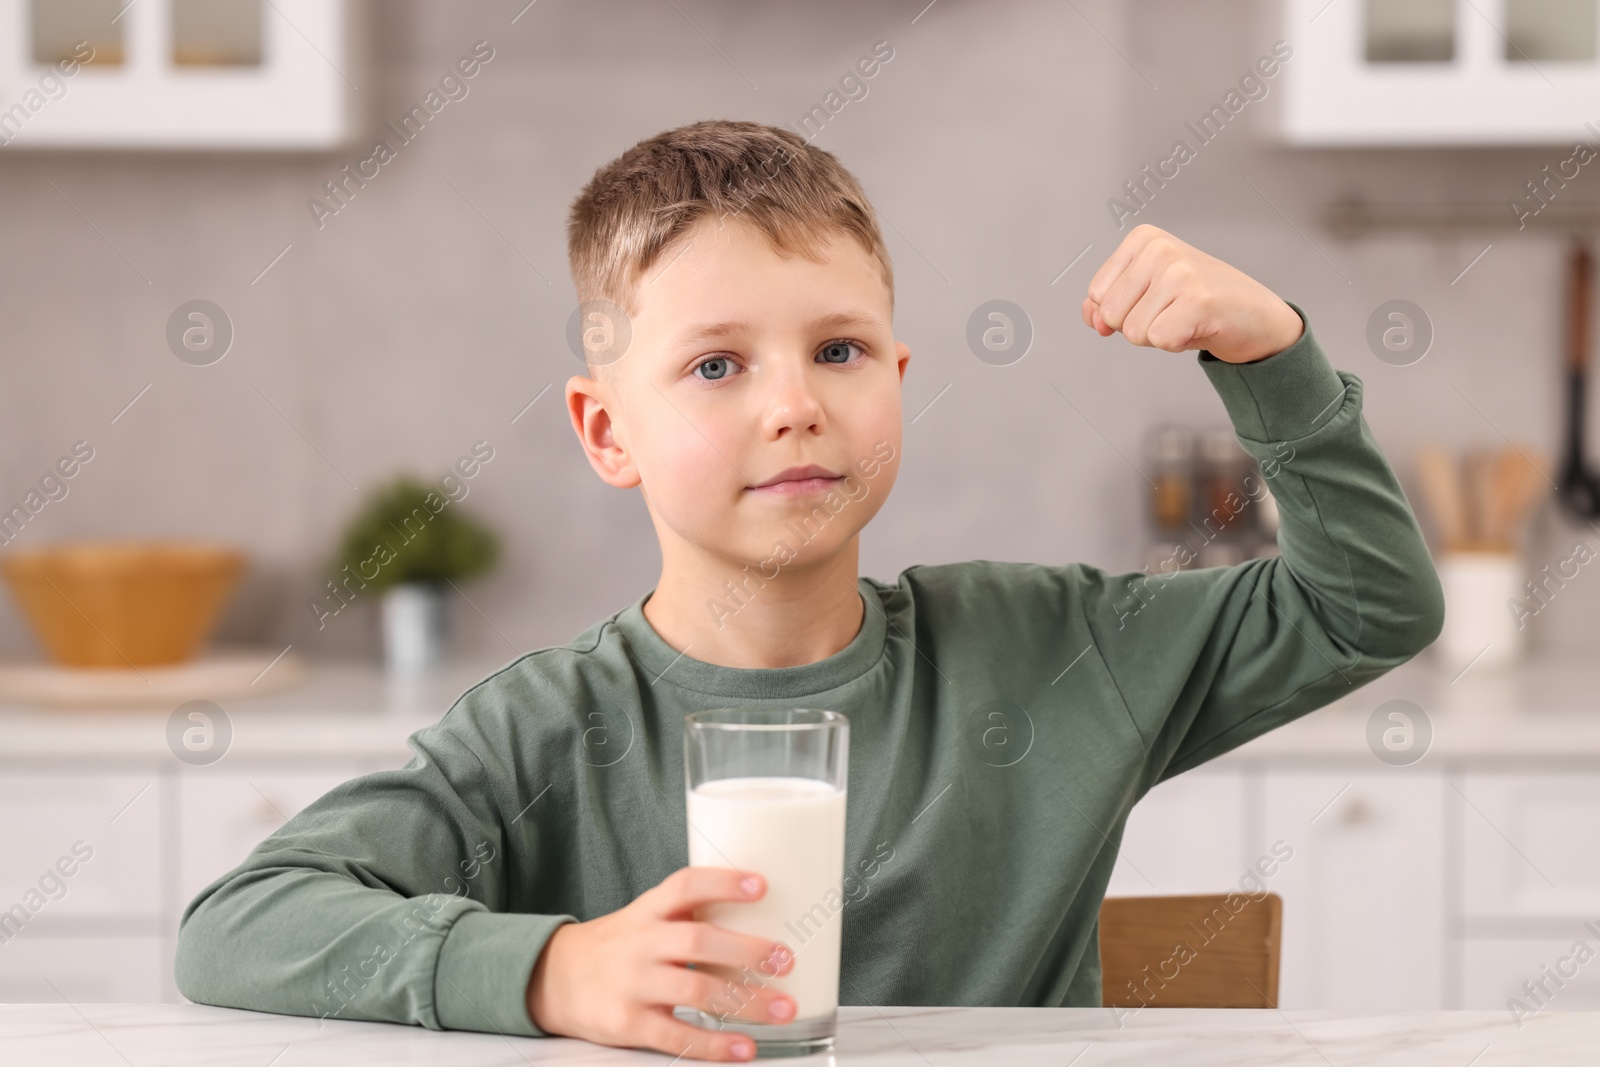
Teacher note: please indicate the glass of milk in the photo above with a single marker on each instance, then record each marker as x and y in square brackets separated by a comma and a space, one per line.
[766, 794]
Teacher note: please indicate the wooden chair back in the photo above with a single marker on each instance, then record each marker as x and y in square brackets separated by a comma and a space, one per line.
[1190, 951]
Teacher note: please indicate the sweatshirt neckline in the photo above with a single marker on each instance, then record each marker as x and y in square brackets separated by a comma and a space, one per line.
[667, 665]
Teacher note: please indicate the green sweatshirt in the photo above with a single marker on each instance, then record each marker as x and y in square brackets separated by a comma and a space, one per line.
[1004, 718]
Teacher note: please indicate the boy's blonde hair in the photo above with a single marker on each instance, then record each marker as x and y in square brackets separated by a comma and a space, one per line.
[637, 205]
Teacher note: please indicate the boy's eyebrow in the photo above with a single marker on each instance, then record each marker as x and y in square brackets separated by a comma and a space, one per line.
[708, 330]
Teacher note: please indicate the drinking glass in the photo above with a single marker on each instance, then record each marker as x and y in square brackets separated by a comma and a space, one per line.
[765, 791]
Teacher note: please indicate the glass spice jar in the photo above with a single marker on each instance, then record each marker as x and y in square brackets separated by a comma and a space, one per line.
[1225, 506]
[1169, 456]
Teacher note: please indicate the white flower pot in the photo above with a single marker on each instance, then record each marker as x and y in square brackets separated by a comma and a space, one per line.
[416, 626]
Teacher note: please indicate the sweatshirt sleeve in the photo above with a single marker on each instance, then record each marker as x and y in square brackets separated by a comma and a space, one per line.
[1207, 659]
[386, 899]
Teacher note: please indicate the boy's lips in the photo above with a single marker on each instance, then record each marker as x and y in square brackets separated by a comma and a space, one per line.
[798, 481]
[796, 486]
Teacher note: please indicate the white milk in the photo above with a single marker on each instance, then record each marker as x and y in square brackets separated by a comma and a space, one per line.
[790, 831]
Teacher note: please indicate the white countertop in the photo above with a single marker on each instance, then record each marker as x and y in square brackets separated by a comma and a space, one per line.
[341, 709]
[65, 1035]
[1542, 711]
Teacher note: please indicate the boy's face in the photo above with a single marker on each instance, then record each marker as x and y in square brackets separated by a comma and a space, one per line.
[734, 375]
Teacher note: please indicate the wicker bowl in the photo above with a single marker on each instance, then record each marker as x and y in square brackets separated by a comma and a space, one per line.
[122, 603]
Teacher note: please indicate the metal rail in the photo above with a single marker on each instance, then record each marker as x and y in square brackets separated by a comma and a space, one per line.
[1355, 218]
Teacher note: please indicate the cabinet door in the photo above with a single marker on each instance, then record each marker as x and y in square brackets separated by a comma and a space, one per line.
[84, 970]
[1539, 974]
[148, 76]
[1363, 894]
[1184, 836]
[1508, 72]
[225, 814]
[1521, 844]
[103, 828]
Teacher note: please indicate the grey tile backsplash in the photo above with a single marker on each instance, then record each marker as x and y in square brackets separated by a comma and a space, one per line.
[430, 309]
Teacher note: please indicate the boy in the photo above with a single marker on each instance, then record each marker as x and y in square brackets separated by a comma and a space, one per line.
[526, 871]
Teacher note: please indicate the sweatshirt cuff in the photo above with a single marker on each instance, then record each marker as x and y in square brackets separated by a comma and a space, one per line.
[1282, 397]
[481, 978]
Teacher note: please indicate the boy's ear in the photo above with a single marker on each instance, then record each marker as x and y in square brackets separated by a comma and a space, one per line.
[902, 352]
[591, 421]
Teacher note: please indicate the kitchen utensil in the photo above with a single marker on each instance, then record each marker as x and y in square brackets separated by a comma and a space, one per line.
[1481, 504]
[1478, 490]
[1517, 480]
[1441, 486]
[1578, 487]
[122, 604]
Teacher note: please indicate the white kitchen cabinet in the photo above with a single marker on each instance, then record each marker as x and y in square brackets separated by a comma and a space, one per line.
[1462, 72]
[84, 970]
[162, 830]
[153, 838]
[226, 813]
[1364, 912]
[1184, 836]
[1495, 971]
[105, 829]
[1522, 855]
[177, 73]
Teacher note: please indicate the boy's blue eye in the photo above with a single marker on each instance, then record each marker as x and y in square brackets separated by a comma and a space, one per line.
[714, 367]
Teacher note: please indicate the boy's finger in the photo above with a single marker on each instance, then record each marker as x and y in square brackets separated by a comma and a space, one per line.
[1152, 303]
[1118, 261]
[703, 942]
[1174, 329]
[1089, 308]
[1123, 293]
[719, 997]
[1149, 283]
[664, 1033]
[1091, 315]
[688, 887]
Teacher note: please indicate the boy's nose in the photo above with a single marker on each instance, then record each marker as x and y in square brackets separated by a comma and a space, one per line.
[792, 402]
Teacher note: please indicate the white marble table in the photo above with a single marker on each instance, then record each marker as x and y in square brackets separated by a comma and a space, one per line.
[155, 1035]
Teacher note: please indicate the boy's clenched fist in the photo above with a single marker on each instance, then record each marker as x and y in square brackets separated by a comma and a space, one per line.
[1160, 292]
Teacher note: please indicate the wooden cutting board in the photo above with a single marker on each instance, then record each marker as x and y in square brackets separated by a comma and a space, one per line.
[216, 675]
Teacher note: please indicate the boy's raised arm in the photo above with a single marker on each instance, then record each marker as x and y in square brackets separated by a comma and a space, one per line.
[1208, 659]
[385, 899]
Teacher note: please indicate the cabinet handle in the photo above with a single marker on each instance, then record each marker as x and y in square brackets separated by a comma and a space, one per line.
[1356, 812]
[267, 812]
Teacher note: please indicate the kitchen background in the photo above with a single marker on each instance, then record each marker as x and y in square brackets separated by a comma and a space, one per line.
[426, 314]
[429, 313]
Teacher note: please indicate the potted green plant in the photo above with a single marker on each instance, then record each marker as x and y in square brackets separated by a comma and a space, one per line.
[406, 544]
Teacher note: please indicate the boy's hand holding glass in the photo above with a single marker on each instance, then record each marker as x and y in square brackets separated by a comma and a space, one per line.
[615, 980]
